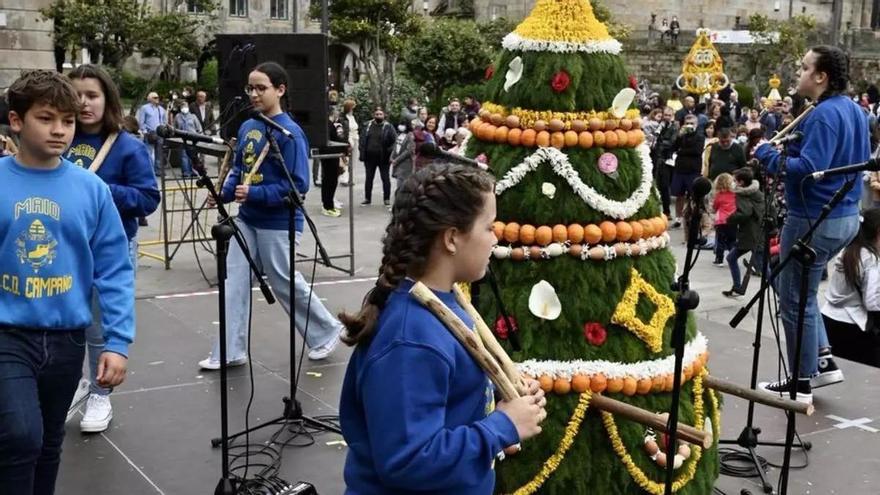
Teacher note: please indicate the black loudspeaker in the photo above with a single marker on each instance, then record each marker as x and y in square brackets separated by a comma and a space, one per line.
[303, 56]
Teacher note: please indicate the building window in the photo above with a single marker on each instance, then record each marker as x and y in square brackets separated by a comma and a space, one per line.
[194, 7]
[238, 8]
[497, 11]
[278, 9]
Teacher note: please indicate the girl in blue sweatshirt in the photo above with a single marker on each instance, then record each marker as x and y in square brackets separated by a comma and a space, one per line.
[259, 185]
[128, 171]
[417, 412]
[60, 238]
[834, 134]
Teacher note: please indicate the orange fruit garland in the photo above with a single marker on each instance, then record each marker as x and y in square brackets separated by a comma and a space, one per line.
[585, 139]
[630, 385]
[592, 234]
[598, 138]
[543, 139]
[575, 233]
[527, 234]
[624, 231]
[609, 231]
[528, 138]
[598, 382]
[557, 140]
[615, 385]
[560, 233]
[546, 383]
[622, 138]
[498, 228]
[637, 230]
[580, 383]
[544, 235]
[501, 134]
[511, 232]
[610, 139]
[571, 139]
[562, 386]
[514, 137]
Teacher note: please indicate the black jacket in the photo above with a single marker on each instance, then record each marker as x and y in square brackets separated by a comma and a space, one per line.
[389, 138]
[689, 146]
[747, 217]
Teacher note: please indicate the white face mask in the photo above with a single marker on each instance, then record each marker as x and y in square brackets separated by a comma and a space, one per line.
[184, 110]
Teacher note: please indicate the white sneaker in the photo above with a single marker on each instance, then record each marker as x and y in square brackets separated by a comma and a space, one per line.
[323, 351]
[338, 204]
[79, 398]
[211, 364]
[98, 414]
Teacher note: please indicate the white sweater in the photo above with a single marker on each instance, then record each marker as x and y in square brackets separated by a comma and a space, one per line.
[844, 302]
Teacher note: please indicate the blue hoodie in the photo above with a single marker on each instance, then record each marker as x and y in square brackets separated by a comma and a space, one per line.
[835, 135]
[128, 171]
[60, 236]
[264, 207]
[416, 410]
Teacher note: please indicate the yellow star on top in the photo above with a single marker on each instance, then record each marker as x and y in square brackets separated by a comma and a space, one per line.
[625, 313]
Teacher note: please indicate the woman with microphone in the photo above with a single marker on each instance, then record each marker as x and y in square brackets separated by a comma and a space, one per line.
[835, 134]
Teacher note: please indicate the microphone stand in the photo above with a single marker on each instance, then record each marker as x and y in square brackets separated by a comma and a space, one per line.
[224, 230]
[805, 255]
[292, 408]
[686, 301]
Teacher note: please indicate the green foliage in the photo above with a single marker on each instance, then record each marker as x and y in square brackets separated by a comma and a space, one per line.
[746, 94]
[618, 30]
[780, 45]
[447, 52]
[495, 31]
[209, 79]
[401, 92]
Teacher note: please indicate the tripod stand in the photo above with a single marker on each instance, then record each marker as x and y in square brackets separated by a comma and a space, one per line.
[292, 409]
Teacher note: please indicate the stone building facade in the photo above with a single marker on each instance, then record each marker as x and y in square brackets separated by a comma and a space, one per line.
[25, 39]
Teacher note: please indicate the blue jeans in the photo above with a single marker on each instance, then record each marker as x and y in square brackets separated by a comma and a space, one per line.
[733, 262]
[39, 372]
[95, 332]
[270, 250]
[829, 239]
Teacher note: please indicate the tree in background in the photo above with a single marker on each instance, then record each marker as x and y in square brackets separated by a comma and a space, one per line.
[447, 52]
[780, 45]
[380, 29]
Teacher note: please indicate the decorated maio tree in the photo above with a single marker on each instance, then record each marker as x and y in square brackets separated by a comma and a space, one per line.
[583, 263]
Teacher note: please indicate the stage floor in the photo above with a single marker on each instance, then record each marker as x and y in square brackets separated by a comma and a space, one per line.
[167, 412]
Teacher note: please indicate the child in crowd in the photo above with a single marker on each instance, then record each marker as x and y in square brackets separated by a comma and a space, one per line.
[724, 204]
[747, 219]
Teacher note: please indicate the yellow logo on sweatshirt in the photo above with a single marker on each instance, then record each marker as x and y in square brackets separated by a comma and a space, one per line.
[36, 246]
[81, 151]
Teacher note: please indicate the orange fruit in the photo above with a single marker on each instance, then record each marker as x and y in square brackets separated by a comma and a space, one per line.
[630, 385]
[598, 138]
[501, 134]
[585, 139]
[571, 138]
[497, 119]
[615, 385]
[543, 235]
[488, 132]
[688, 372]
[485, 114]
[659, 225]
[580, 383]
[637, 123]
[540, 125]
[598, 382]
[609, 231]
[592, 234]
[575, 233]
[514, 137]
[635, 137]
[610, 139]
[557, 140]
[512, 121]
[610, 124]
[562, 386]
[597, 124]
[637, 229]
[667, 382]
[527, 234]
[626, 124]
[644, 386]
[546, 383]
[560, 233]
[543, 139]
[511, 232]
[648, 227]
[659, 382]
[622, 138]
[528, 137]
[498, 229]
[624, 231]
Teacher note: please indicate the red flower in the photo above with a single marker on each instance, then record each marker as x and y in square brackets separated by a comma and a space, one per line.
[490, 71]
[560, 81]
[633, 82]
[595, 333]
[501, 329]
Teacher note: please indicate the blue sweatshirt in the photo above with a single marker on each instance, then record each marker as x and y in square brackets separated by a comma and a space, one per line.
[264, 207]
[415, 408]
[128, 171]
[835, 135]
[60, 236]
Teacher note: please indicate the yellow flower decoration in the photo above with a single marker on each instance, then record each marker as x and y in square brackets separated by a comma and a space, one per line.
[625, 313]
[570, 21]
[527, 118]
[637, 474]
[551, 464]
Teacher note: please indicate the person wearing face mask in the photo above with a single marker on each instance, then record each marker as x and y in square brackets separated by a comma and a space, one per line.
[187, 122]
[376, 147]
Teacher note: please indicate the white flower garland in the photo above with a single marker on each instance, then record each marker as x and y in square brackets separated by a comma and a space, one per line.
[514, 41]
[562, 167]
[609, 251]
[644, 369]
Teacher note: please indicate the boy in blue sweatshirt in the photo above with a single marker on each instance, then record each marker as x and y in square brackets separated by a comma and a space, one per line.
[60, 236]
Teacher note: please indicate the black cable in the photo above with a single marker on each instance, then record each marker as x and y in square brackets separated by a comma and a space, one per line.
[730, 459]
[247, 410]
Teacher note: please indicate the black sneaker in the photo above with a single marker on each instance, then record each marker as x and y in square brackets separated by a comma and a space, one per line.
[142, 222]
[732, 293]
[676, 224]
[781, 389]
[386, 202]
[366, 203]
[829, 373]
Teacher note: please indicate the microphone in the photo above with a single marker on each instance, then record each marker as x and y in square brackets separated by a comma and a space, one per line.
[431, 149]
[794, 136]
[258, 115]
[872, 165]
[166, 132]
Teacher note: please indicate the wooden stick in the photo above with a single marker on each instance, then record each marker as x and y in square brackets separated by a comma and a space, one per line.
[490, 342]
[225, 166]
[656, 421]
[790, 127]
[506, 388]
[759, 397]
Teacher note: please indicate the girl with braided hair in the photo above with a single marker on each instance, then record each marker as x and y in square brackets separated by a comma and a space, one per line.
[834, 134]
[416, 409]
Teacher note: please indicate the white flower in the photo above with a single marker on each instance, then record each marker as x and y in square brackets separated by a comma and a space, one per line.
[514, 73]
[514, 42]
[622, 102]
[548, 189]
[543, 301]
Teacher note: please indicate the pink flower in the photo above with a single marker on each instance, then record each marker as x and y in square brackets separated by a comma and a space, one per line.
[608, 163]
[501, 329]
[595, 333]
[482, 158]
[560, 81]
